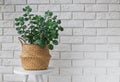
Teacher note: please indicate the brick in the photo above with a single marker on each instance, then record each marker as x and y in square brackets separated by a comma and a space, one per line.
[114, 7]
[0, 15]
[94, 71]
[1, 1]
[114, 39]
[73, 7]
[83, 47]
[6, 54]
[108, 15]
[6, 69]
[84, 31]
[113, 71]
[6, 23]
[72, 23]
[59, 79]
[10, 31]
[107, 63]
[64, 15]
[93, 39]
[60, 63]
[107, 78]
[7, 8]
[15, 2]
[114, 55]
[86, 78]
[71, 55]
[37, 1]
[83, 63]
[96, 7]
[95, 23]
[108, 31]
[0, 31]
[62, 47]
[4, 39]
[55, 55]
[11, 62]
[113, 23]
[95, 55]
[71, 71]
[17, 54]
[11, 16]
[0, 77]
[67, 31]
[19, 8]
[49, 7]
[61, 1]
[82, 15]
[83, 1]
[107, 47]
[107, 1]
[71, 39]
[11, 46]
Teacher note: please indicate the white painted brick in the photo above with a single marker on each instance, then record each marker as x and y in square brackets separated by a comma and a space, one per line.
[49, 7]
[114, 7]
[71, 55]
[71, 39]
[4, 39]
[6, 54]
[64, 15]
[67, 31]
[60, 63]
[17, 54]
[11, 62]
[95, 23]
[114, 39]
[95, 55]
[37, 1]
[93, 39]
[10, 31]
[20, 7]
[87, 78]
[55, 55]
[83, 47]
[107, 1]
[108, 31]
[1, 1]
[114, 55]
[72, 23]
[113, 71]
[107, 63]
[0, 15]
[83, 1]
[107, 78]
[83, 15]
[108, 15]
[96, 7]
[113, 23]
[15, 1]
[0, 31]
[11, 15]
[6, 69]
[107, 47]
[83, 63]
[61, 1]
[84, 31]
[7, 8]
[71, 71]
[6, 23]
[62, 47]
[1, 77]
[94, 71]
[72, 7]
[59, 79]
[11, 46]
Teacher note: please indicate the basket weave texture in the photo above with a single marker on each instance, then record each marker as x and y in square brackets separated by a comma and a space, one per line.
[33, 57]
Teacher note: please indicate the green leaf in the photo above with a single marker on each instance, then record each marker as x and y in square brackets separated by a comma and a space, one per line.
[50, 46]
[58, 21]
[55, 42]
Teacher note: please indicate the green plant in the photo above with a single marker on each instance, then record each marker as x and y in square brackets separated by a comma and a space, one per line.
[37, 29]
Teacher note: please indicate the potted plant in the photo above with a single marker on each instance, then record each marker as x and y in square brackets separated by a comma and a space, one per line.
[38, 35]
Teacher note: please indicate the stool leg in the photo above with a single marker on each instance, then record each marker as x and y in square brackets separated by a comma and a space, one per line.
[36, 78]
[26, 78]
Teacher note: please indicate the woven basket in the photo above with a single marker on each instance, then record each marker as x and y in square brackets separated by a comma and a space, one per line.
[33, 57]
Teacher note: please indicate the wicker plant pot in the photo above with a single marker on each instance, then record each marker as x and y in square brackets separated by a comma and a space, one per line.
[33, 57]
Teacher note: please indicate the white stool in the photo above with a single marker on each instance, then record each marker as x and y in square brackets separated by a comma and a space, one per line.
[37, 73]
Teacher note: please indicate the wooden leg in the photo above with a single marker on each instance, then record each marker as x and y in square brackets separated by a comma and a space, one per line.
[26, 78]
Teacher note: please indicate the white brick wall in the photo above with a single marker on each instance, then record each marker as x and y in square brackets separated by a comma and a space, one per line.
[89, 49]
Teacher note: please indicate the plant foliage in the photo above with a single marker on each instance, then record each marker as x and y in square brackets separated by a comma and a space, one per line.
[37, 29]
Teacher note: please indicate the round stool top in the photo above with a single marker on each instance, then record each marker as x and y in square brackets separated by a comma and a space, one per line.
[32, 72]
